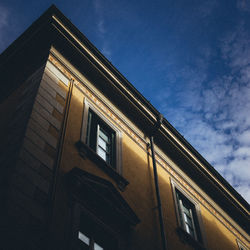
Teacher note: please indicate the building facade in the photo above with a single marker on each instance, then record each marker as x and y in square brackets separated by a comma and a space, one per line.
[88, 163]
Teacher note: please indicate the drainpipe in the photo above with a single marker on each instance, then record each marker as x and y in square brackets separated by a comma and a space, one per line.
[163, 236]
[57, 164]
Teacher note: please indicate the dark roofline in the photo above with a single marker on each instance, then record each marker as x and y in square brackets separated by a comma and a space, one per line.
[46, 19]
[139, 96]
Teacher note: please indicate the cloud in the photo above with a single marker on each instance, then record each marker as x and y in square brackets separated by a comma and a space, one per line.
[100, 19]
[102, 31]
[206, 8]
[244, 191]
[101, 27]
[243, 5]
[244, 138]
[4, 17]
[235, 47]
[212, 112]
[106, 50]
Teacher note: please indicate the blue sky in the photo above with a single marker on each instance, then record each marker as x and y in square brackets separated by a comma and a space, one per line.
[189, 58]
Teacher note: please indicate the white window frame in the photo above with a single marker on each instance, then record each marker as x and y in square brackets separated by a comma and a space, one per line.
[89, 241]
[241, 245]
[118, 134]
[98, 144]
[176, 186]
[181, 206]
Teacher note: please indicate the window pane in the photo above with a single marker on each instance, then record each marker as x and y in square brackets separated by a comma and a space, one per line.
[101, 153]
[83, 238]
[191, 231]
[97, 247]
[102, 143]
[185, 217]
[188, 220]
[101, 138]
[105, 136]
[187, 228]
[186, 209]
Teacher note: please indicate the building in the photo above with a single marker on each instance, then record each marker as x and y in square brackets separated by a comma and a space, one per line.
[88, 163]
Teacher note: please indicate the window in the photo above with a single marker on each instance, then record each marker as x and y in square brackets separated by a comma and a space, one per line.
[187, 215]
[101, 138]
[241, 246]
[92, 236]
[86, 242]
[100, 218]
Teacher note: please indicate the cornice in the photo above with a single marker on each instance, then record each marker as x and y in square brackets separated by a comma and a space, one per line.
[54, 18]
[151, 113]
[160, 158]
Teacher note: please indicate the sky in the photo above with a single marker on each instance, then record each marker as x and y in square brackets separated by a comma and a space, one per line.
[189, 58]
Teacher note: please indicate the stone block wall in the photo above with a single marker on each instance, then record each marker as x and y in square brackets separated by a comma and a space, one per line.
[32, 177]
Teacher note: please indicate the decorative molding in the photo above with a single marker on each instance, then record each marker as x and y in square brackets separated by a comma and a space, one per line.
[101, 105]
[85, 150]
[102, 66]
[143, 144]
[201, 200]
[241, 245]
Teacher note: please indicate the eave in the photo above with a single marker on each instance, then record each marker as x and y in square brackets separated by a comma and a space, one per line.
[54, 29]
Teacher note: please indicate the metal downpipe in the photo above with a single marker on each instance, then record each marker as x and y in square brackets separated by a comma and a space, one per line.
[163, 235]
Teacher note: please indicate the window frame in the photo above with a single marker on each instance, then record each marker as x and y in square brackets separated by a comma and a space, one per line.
[97, 130]
[91, 244]
[198, 240]
[116, 165]
[78, 211]
[241, 246]
[190, 207]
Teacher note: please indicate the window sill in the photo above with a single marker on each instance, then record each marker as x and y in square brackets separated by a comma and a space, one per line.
[86, 151]
[188, 239]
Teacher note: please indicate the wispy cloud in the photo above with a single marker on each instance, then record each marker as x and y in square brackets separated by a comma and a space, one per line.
[106, 50]
[102, 32]
[100, 26]
[4, 16]
[206, 8]
[213, 113]
[243, 5]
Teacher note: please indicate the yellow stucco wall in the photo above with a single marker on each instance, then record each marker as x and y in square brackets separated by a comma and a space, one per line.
[140, 192]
